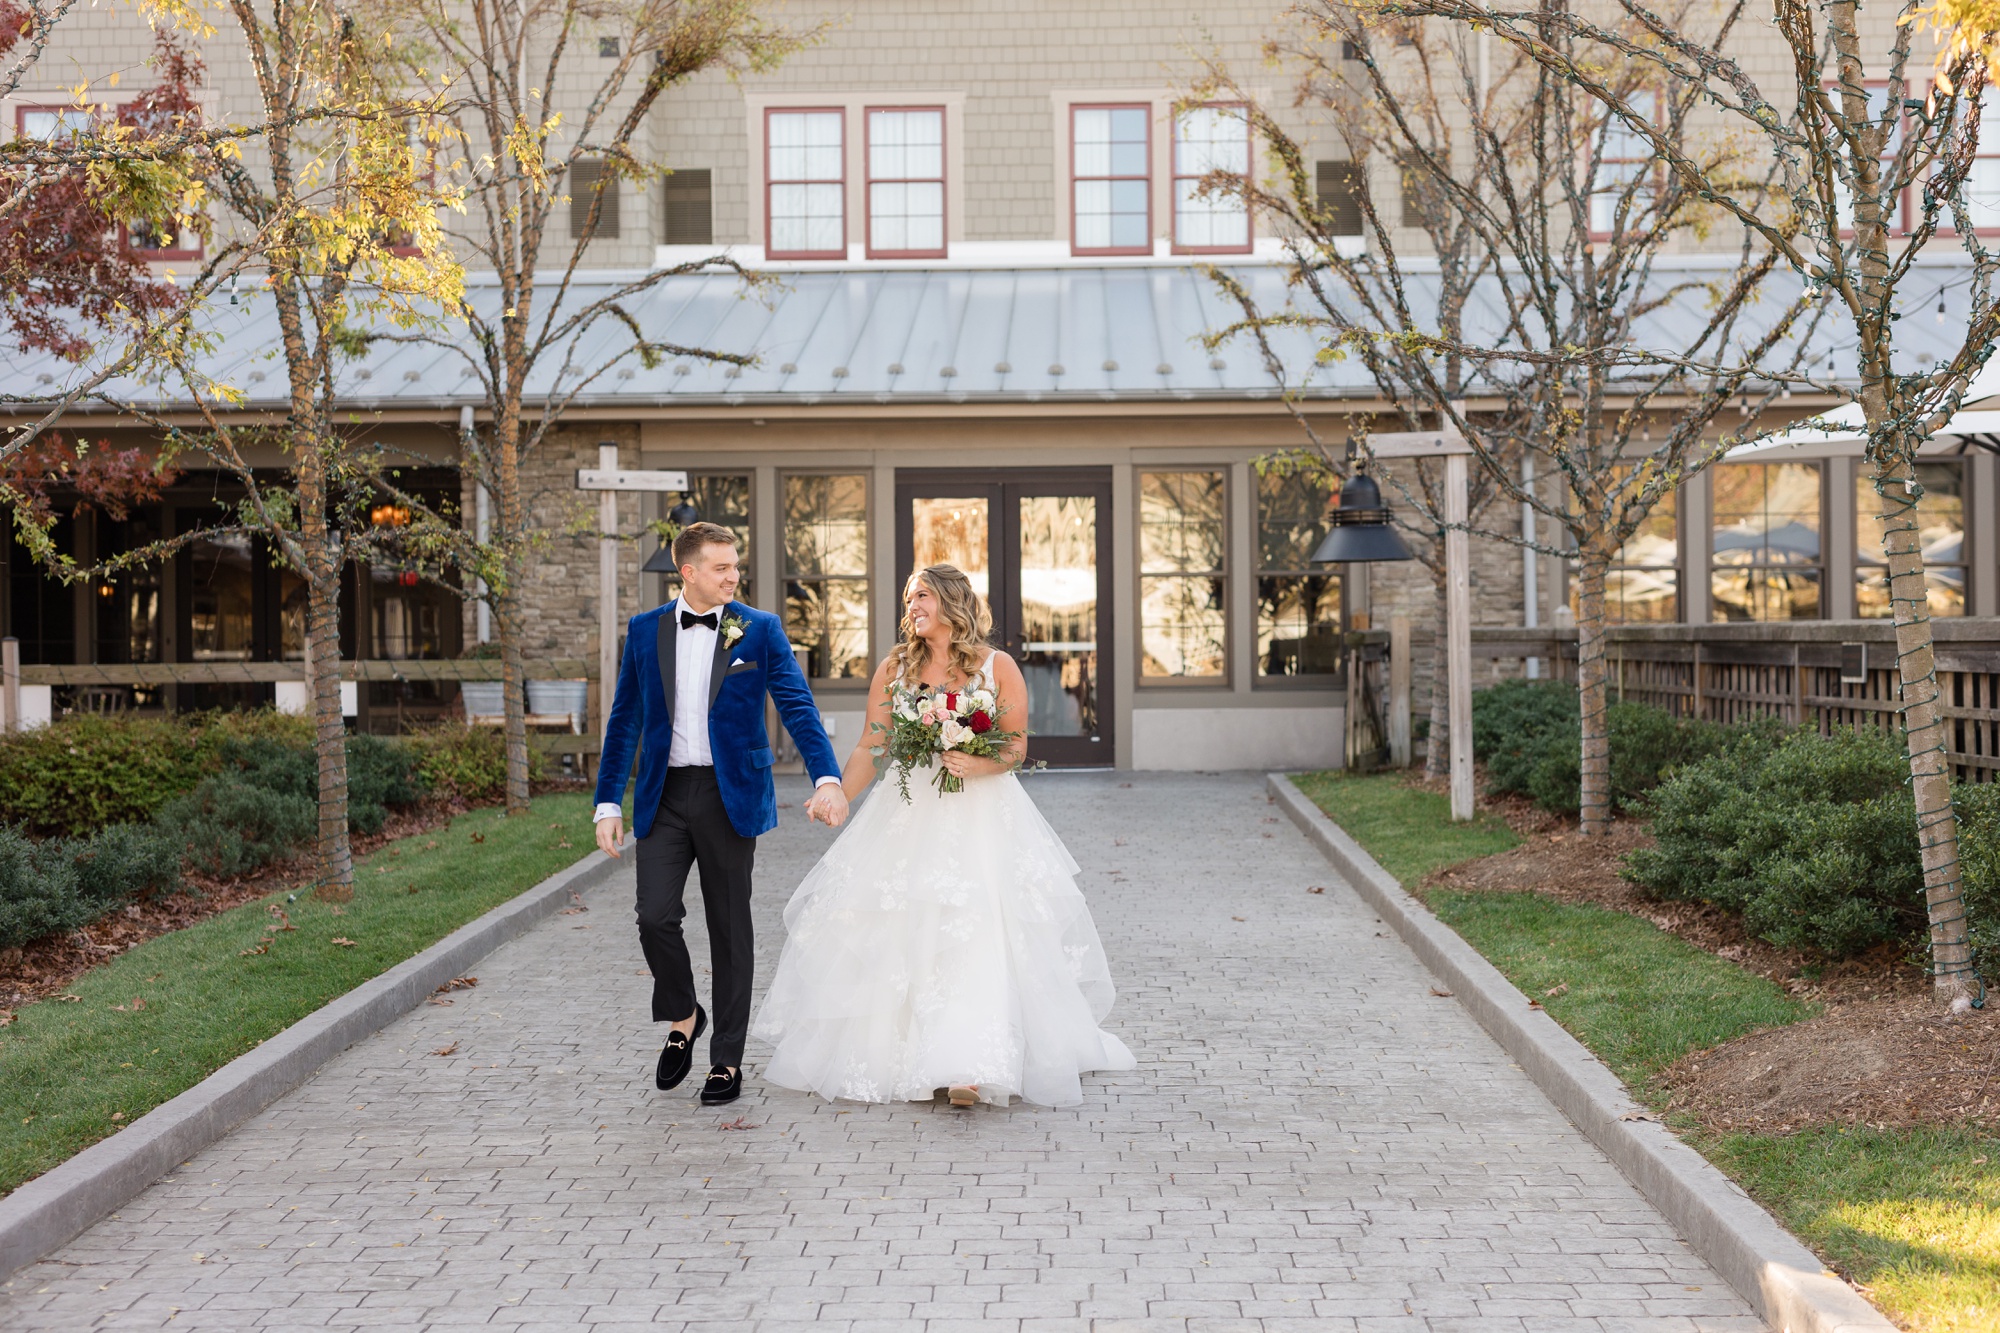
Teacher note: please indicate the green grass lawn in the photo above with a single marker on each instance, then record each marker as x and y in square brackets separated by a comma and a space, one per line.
[1913, 1215]
[165, 1015]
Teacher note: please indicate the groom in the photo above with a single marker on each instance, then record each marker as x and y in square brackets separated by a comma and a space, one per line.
[691, 698]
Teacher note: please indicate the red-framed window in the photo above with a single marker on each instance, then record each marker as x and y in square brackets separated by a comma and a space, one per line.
[44, 123]
[1208, 139]
[1627, 175]
[905, 182]
[1982, 182]
[805, 183]
[155, 241]
[1110, 157]
[1877, 91]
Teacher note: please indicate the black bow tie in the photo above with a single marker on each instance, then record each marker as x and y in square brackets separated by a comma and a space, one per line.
[689, 620]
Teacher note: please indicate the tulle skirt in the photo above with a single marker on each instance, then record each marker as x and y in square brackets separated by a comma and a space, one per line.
[941, 942]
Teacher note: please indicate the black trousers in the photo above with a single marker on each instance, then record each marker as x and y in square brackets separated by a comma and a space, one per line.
[692, 829]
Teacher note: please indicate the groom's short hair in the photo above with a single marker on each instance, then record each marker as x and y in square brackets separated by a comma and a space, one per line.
[697, 536]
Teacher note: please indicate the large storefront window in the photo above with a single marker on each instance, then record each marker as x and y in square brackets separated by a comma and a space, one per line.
[1940, 527]
[826, 574]
[1766, 553]
[1181, 575]
[220, 598]
[1298, 607]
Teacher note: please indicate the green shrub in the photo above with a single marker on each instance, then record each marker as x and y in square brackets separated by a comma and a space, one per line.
[50, 887]
[1530, 737]
[1811, 838]
[467, 761]
[1979, 864]
[84, 772]
[380, 773]
[232, 824]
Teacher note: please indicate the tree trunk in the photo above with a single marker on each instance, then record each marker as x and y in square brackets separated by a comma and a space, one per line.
[322, 576]
[1926, 735]
[1437, 754]
[514, 674]
[1591, 690]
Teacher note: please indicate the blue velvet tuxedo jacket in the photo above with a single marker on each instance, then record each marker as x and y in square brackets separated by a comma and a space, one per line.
[642, 713]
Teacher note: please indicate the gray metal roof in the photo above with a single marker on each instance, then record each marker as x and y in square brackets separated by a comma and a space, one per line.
[1075, 333]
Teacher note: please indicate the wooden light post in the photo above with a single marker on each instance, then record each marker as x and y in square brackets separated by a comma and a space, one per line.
[607, 480]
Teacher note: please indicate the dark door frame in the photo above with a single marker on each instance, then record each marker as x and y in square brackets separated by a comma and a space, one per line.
[1002, 488]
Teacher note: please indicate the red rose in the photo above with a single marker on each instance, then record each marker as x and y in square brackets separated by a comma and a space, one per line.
[980, 723]
[951, 702]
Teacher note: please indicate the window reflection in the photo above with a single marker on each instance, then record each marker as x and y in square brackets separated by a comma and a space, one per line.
[1181, 574]
[1059, 613]
[1940, 530]
[951, 532]
[1298, 608]
[1642, 586]
[1766, 544]
[220, 598]
[826, 574]
[722, 498]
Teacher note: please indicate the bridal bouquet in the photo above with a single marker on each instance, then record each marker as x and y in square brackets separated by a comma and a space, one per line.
[924, 724]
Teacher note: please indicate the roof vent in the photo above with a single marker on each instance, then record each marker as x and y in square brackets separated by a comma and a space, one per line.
[624, 374]
[681, 369]
[364, 374]
[895, 367]
[1217, 363]
[1111, 365]
[1056, 369]
[733, 372]
[1164, 368]
[789, 368]
[946, 372]
[840, 372]
[413, 375]
[256, 377]
[1002, 368]
[45, 378]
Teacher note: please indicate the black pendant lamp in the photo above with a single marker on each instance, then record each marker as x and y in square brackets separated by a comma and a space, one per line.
[1361, 531]
[662, 560]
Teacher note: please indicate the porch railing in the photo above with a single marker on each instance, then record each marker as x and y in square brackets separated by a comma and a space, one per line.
[1824, 673]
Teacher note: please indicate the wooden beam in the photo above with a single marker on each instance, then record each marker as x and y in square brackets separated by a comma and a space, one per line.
[1458, 648]
[257, 673]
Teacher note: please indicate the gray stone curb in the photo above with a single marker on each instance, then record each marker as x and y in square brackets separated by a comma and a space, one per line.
[52, 1209]
[1783, 1280]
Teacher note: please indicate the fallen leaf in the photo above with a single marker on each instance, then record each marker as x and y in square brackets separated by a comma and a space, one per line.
[1560, 988]
[343, 941]
[264, 947]
[479, 837]
[1317, 888]
[439, 999]
[431, 846]
[446, 1050]
[555, 826]
[1640, 1115]
[1124, 784]
[1534, 1004]
[457, 983]
[6, 1017]
[738, 1123]
[1236, 918]
[117, 1115]
[1441, 994]
[73, 999]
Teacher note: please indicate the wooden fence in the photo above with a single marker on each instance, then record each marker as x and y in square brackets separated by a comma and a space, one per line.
[1827, 674]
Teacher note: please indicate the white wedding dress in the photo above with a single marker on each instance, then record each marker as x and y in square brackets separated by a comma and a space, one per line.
[941, 942]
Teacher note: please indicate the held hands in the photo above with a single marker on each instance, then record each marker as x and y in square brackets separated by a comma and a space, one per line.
[828, 805]
[610, 833]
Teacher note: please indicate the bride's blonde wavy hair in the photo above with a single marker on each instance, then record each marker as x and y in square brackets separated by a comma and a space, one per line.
[963, 609]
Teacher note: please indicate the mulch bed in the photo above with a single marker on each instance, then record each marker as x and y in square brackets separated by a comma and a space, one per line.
[1881, 1052]
[47, 967]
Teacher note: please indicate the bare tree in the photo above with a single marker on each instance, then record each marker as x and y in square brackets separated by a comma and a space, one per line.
[1845, 156]
[518, 158]
[1551, 328]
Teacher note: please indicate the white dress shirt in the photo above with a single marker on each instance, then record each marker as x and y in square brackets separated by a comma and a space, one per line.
[694, 669]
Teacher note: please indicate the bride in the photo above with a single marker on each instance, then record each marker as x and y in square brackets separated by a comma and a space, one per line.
[942, 943]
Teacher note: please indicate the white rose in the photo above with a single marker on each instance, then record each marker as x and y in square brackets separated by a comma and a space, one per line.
[953, 732]
[983, 699]
[908, 714]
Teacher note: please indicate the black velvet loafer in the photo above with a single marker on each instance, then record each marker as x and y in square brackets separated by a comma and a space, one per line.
[724, 1086]
[677, 1056]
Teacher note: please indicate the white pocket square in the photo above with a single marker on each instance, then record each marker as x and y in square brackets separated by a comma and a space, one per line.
[738, 662]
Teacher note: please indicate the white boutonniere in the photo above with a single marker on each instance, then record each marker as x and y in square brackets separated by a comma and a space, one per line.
[732, 630]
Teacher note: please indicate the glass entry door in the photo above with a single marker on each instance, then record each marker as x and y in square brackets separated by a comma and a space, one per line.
[1037, 546]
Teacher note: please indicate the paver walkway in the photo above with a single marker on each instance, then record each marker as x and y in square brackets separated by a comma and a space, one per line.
[1311, 1140]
